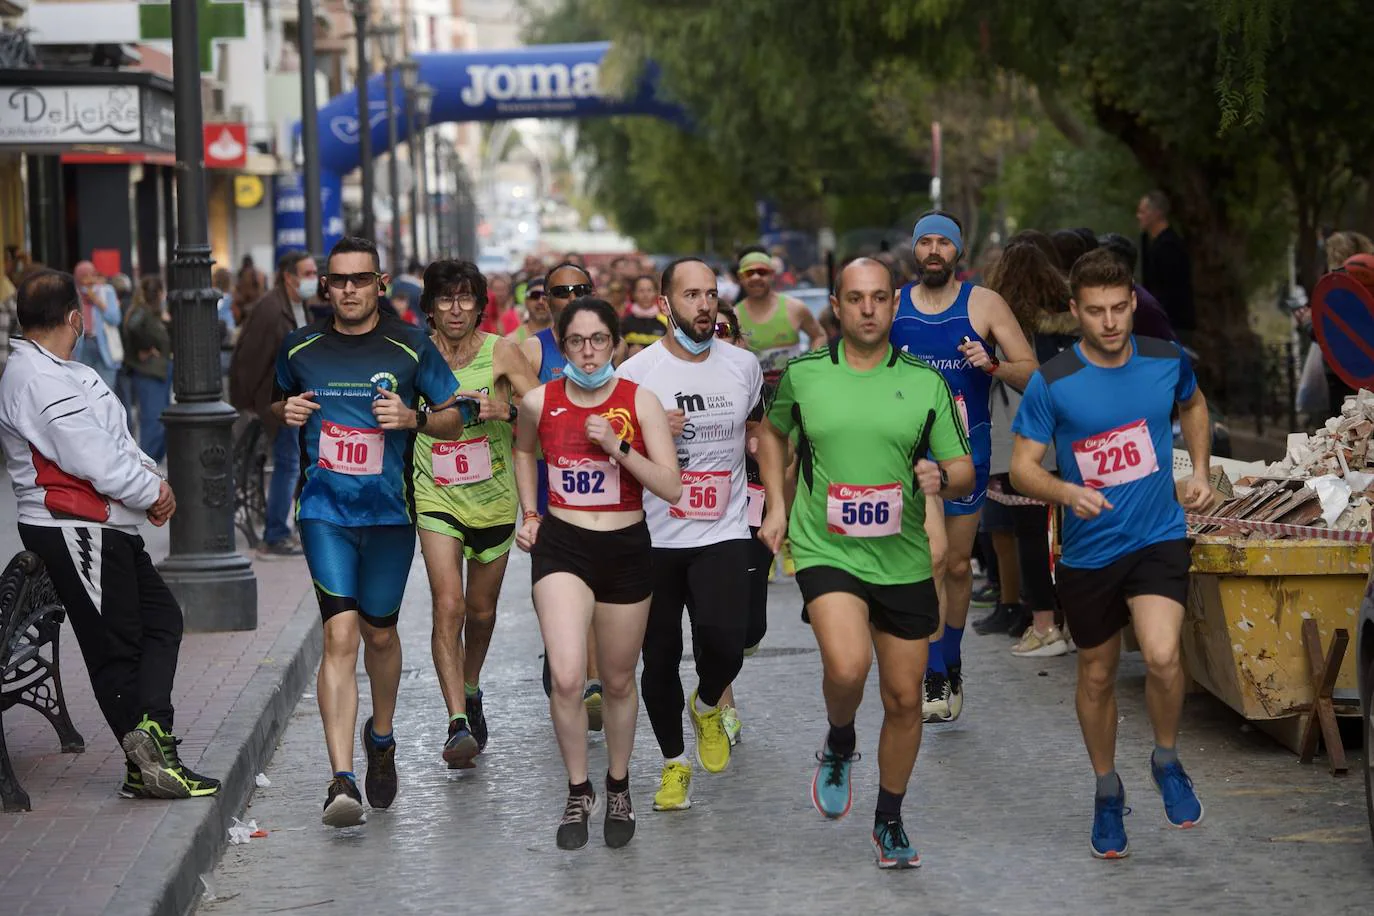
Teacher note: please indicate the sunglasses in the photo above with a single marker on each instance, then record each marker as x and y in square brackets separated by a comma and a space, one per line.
[723, 331]
[359, 281]
[756, 272]
[534, 294]
[571, 291]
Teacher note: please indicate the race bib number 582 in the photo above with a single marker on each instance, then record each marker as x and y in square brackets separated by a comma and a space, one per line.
[1118, 456]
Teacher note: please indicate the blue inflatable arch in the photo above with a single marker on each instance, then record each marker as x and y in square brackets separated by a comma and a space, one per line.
[539, 81]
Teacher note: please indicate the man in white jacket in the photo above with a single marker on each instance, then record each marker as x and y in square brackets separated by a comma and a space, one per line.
[83, 487]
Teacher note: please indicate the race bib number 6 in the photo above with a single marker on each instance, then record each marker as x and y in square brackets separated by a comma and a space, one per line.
[586, 484]
[346, 450]
[468, 461]
[705, 495]
[1116, 457]
[864, 511]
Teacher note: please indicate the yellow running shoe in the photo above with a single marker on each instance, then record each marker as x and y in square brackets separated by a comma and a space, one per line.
[713, 745]
[674, 787]
[733, 726]
[789, 565]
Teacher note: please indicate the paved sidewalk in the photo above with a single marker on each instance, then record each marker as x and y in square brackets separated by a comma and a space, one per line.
[84, 850]
[1000, 806]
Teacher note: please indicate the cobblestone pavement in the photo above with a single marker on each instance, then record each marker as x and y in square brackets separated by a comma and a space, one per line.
[1000, 807]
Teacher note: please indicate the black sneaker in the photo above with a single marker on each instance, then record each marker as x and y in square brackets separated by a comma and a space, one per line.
[381, 770]
[988, 595]
[132, 787]
[956, 691]
[282, 550]
[153, 750]
[999, 621]
[343, 805]
[477, 720]
[1021, 619]
[620, 819]
[460, 747]
[572, 830]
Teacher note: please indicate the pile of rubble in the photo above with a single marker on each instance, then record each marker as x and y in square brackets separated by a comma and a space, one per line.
[1326, 479]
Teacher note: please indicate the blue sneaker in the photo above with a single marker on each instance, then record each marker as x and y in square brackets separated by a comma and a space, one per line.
[1109, 828]
[1181, 805]
[461, 746]
[830, 791]
[892, 847]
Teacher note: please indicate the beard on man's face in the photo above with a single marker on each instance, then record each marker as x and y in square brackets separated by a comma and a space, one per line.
[935, 271]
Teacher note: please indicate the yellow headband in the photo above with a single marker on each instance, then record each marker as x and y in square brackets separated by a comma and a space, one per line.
[755, 259]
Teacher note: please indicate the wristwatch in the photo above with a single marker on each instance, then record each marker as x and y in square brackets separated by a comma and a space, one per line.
[513, 413]
[624, 448]
[944, 479]
[421, 418]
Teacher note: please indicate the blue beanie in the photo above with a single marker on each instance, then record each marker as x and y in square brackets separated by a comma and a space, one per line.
[938, 224]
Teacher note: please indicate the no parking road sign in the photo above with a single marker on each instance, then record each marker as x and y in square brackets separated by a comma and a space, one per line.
[1343, 322]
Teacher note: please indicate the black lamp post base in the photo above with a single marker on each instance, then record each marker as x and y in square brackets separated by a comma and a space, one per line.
[213, 582]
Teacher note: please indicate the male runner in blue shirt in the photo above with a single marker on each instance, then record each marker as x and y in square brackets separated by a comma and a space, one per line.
[351, 384]
[1106, 404]
[957, 327]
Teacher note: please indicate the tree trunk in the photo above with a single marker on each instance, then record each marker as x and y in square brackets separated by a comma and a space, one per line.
[1223, 339]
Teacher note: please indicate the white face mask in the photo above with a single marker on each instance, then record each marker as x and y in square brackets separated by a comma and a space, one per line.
[309, 286]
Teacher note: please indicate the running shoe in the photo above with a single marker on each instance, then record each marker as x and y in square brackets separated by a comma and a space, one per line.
[1109, 827]
[153, 750]
[619, 826]
[935, 706]
[751, 651]
[1034, 644]
[674, 787]
[956, 691]
[132, 787]
[591, 698]
[733, 726]
[986, 596]
[572, 829]
[830, 789]
[381, 770]
[789, 565]
[477, 720]
[460, 748]
[892, 847]
[343, 805]
[1181, 805]
[996, 622]
[713, 745]
[282, 550]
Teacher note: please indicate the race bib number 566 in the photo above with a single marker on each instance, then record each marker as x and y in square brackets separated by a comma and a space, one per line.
[864, 511]
[1116, 457]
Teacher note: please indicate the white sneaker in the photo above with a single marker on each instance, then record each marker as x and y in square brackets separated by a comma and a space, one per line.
[935, 707]
[1041, 645]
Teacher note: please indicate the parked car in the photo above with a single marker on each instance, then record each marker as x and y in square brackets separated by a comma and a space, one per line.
[1364, 662]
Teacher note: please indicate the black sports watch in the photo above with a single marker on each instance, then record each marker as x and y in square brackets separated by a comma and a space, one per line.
[513, 413]
[944, 479]
[624, 448]
[421, 418]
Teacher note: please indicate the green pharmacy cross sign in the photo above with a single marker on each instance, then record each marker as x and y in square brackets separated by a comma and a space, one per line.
[217, 21]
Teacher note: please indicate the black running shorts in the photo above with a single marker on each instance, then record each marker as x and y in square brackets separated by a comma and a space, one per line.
[614, 564]
[907, 611]
[1094, 600]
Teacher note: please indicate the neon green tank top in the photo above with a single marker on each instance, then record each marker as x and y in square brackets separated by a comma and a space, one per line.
[465, 491]
[774, 341]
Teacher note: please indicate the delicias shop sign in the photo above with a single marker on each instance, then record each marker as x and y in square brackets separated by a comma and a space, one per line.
[70, 115]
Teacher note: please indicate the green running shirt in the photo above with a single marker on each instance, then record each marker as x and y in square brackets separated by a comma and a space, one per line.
[857, 439]
[481, 503]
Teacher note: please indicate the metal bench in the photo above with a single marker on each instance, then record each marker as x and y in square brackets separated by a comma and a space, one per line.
[30, 665]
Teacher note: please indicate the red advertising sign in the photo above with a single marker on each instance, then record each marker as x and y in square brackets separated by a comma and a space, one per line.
[226, 146]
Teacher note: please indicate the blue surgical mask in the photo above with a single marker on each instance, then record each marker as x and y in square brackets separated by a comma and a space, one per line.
[309, 287]
[589, 380]
[694, 347]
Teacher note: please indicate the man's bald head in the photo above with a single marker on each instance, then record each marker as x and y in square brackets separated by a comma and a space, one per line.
[84, 272]
[865, 272]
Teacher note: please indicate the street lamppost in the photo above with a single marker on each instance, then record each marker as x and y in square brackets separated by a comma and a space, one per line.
[387, 32]
[410, 78]
[310, 130]
[213, 583]
[362, 9]
[424, 104]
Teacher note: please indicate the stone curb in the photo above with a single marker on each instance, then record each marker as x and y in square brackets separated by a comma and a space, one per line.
[165, 880]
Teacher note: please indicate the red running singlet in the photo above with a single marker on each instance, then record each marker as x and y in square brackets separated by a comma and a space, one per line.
[581, 475]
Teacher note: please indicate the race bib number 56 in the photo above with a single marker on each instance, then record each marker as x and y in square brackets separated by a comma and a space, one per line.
[705, 495]
[1116, 457]
[346, 450]
[864, 512]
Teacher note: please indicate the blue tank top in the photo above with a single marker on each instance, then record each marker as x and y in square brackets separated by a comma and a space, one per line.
[935, 339]
[551, 360]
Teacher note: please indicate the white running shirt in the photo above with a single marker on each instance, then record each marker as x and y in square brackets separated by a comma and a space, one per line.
[718, 394]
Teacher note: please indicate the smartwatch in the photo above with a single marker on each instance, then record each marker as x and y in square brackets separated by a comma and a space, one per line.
[624, 448]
